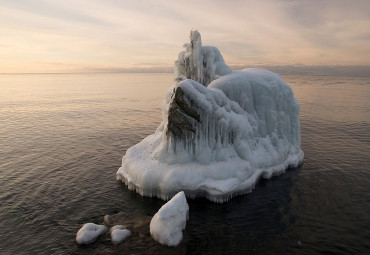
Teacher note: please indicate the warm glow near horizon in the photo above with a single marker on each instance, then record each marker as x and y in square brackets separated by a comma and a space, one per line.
[81, 35]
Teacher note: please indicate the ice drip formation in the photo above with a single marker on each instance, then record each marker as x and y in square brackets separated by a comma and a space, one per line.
[221, 131]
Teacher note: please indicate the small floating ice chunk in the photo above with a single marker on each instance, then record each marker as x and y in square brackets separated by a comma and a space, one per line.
[167, 224]
[89, 233]
[119, 233]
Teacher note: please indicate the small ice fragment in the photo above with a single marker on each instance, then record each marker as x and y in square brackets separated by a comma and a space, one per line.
[167, 224]
[89, 233]
[119, 233]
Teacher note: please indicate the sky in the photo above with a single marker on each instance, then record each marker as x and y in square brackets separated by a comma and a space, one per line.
[38, 36]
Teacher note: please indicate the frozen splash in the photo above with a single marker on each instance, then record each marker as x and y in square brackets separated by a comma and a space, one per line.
[221, 131]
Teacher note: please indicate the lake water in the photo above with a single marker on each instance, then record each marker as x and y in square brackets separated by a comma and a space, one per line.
[62, 137]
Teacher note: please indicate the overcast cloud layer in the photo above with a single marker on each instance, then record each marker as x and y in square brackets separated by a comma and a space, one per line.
[80, 35]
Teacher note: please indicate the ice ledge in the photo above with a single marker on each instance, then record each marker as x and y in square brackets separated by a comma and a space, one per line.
[218, 191]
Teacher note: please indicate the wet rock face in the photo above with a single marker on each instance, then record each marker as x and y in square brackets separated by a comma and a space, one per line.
[181, 115]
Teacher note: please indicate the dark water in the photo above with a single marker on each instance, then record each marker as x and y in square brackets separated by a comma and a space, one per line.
[61, 142]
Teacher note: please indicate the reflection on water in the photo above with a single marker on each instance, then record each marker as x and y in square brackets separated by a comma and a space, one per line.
[62, 138]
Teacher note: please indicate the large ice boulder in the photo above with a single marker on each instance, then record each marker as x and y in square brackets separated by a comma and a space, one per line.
[167, 224]
[221, 131]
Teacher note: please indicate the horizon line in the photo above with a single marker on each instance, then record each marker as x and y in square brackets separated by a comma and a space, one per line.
[357, 70]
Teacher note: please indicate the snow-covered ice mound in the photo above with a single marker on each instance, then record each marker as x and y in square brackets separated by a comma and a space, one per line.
[221, 131]
[119, 234]
[167, 224]
[89, 233]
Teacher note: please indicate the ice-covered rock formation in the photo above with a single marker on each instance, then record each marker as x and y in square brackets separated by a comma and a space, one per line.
[221, 131]
[167, 224]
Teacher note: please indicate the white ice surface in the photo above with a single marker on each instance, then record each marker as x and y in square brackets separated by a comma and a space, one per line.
[249, 129]
[119, 234]
[167, 224]
[89, 233]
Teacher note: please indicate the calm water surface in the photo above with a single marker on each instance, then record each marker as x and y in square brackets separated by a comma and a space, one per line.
[62, 137]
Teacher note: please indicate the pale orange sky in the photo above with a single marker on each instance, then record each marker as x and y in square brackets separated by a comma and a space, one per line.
[82, 35]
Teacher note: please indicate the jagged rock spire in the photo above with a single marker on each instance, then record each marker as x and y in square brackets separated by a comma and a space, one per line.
[200, 63]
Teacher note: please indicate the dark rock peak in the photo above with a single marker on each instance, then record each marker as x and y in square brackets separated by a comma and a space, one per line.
[181, 115]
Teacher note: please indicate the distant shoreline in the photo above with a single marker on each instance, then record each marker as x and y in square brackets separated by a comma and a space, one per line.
[358, 71]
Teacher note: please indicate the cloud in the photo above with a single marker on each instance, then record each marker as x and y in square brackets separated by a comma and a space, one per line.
[125, 33]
